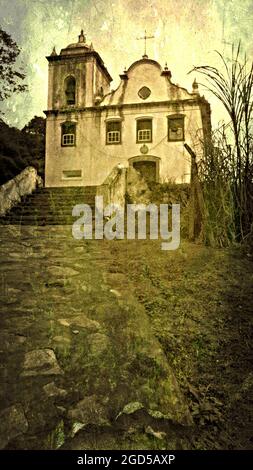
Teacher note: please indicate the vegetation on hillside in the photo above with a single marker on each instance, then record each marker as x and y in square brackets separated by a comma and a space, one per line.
[22, 148]
[18, 148]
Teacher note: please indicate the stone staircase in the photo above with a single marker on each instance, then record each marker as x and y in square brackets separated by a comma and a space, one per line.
[50, 206]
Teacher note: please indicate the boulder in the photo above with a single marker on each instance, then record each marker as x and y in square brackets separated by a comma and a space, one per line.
[89, 411]
[40, 362]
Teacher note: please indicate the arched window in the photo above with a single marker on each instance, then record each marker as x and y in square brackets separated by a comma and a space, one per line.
[70, 90]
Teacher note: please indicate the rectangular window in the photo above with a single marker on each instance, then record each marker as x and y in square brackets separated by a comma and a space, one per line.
[175, 128]
[68, 139]
[113, 132]
[144, 130]
[68, 134]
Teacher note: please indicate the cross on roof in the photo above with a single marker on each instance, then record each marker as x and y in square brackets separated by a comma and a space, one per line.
[145, 37]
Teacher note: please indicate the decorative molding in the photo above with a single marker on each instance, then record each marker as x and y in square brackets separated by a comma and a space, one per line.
[144, 92]
[191, 102]
[144, 149]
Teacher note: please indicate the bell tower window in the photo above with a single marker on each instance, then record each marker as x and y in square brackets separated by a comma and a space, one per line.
[70, 90]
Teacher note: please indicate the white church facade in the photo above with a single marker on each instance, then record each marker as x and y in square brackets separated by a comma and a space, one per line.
[144, 123]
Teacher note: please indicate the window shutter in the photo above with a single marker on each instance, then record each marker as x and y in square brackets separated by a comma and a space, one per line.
[144, 124]
[113, 126]
[68, 128]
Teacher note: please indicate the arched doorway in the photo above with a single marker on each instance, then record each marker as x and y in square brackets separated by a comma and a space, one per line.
[147, 166]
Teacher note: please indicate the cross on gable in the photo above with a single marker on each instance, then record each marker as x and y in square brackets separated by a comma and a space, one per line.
[145, 37]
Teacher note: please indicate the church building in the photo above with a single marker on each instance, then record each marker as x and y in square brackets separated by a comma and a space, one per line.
[144, 123]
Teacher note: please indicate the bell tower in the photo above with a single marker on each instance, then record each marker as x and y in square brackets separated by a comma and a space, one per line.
[77, 77]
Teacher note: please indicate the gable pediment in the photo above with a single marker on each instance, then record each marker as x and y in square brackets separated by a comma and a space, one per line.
[145, 81]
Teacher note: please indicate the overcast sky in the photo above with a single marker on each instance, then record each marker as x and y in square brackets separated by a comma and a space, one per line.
[186, 34]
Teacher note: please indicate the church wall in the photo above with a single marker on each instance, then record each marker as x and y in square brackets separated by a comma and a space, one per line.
[100, 81]
[175, 161]
[95, 159]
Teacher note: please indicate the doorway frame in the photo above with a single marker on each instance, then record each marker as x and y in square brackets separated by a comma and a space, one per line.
[147, 158]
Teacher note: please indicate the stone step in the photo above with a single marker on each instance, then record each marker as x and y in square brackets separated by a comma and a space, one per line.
[48, 204]
[65, 191]
[40, 217]
[59, 198]
[48, 216]
[35, 223]
[35, 209]
[33, 219]
[68, 189]
[51, 206]
[55, 222]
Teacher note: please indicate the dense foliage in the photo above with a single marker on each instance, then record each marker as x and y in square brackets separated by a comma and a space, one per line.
[22, 148]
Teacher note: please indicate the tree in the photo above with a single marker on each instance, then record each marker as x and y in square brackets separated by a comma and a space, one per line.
[37, 126]
[35, 134]
[11, 76]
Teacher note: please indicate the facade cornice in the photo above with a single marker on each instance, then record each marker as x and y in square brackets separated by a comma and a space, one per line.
[80, 58]
[154, 104]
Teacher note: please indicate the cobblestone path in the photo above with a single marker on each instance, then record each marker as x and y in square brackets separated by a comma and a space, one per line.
[80, 367]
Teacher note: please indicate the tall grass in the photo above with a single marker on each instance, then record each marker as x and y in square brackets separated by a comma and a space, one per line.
[219, 208]
[226, 170]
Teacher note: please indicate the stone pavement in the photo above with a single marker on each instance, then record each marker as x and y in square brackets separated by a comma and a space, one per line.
[78, 357]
